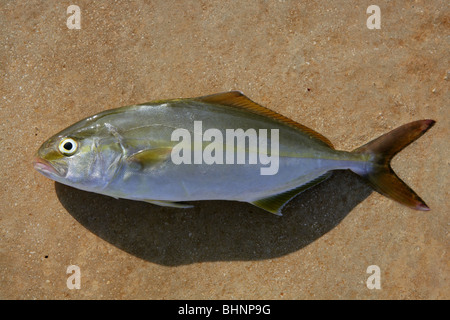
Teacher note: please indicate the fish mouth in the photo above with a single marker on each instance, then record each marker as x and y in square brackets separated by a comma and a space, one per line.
[44, 167]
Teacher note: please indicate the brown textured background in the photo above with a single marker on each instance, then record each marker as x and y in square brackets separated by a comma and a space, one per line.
[313, 61]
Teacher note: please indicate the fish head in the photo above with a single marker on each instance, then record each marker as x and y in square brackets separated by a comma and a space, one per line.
[85, 156]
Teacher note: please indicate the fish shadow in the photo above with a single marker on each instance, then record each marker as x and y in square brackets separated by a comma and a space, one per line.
[215, 230]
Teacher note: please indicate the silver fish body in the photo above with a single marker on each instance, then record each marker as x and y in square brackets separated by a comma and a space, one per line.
[128, 153]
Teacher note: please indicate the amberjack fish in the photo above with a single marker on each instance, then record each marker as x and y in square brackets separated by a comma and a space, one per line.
[217, 147]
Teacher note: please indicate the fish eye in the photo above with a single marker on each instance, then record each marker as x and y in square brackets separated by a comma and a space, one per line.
[68, 146]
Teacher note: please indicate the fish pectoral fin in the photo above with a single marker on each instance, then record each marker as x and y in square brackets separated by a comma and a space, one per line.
[276, 202]
[180, 205]
[150, 157]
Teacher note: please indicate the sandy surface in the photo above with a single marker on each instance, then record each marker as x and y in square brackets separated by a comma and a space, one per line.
[313, 61]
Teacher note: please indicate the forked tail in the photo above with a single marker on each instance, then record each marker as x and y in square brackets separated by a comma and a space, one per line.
[381, 176]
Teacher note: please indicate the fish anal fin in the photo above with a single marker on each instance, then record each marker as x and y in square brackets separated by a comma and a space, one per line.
[275, 203]
[238, 100]
[150, 157]
[170, 204]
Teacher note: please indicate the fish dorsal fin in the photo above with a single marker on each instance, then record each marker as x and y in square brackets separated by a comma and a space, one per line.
[238, 100]
[275, 203]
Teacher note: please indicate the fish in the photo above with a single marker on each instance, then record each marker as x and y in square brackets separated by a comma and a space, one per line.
[222, 146]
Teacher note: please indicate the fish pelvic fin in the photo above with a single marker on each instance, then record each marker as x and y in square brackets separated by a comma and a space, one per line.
[180, 205]
[380, 176]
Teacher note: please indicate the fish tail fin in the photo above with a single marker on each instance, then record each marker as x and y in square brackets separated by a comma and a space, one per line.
[380, 175]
